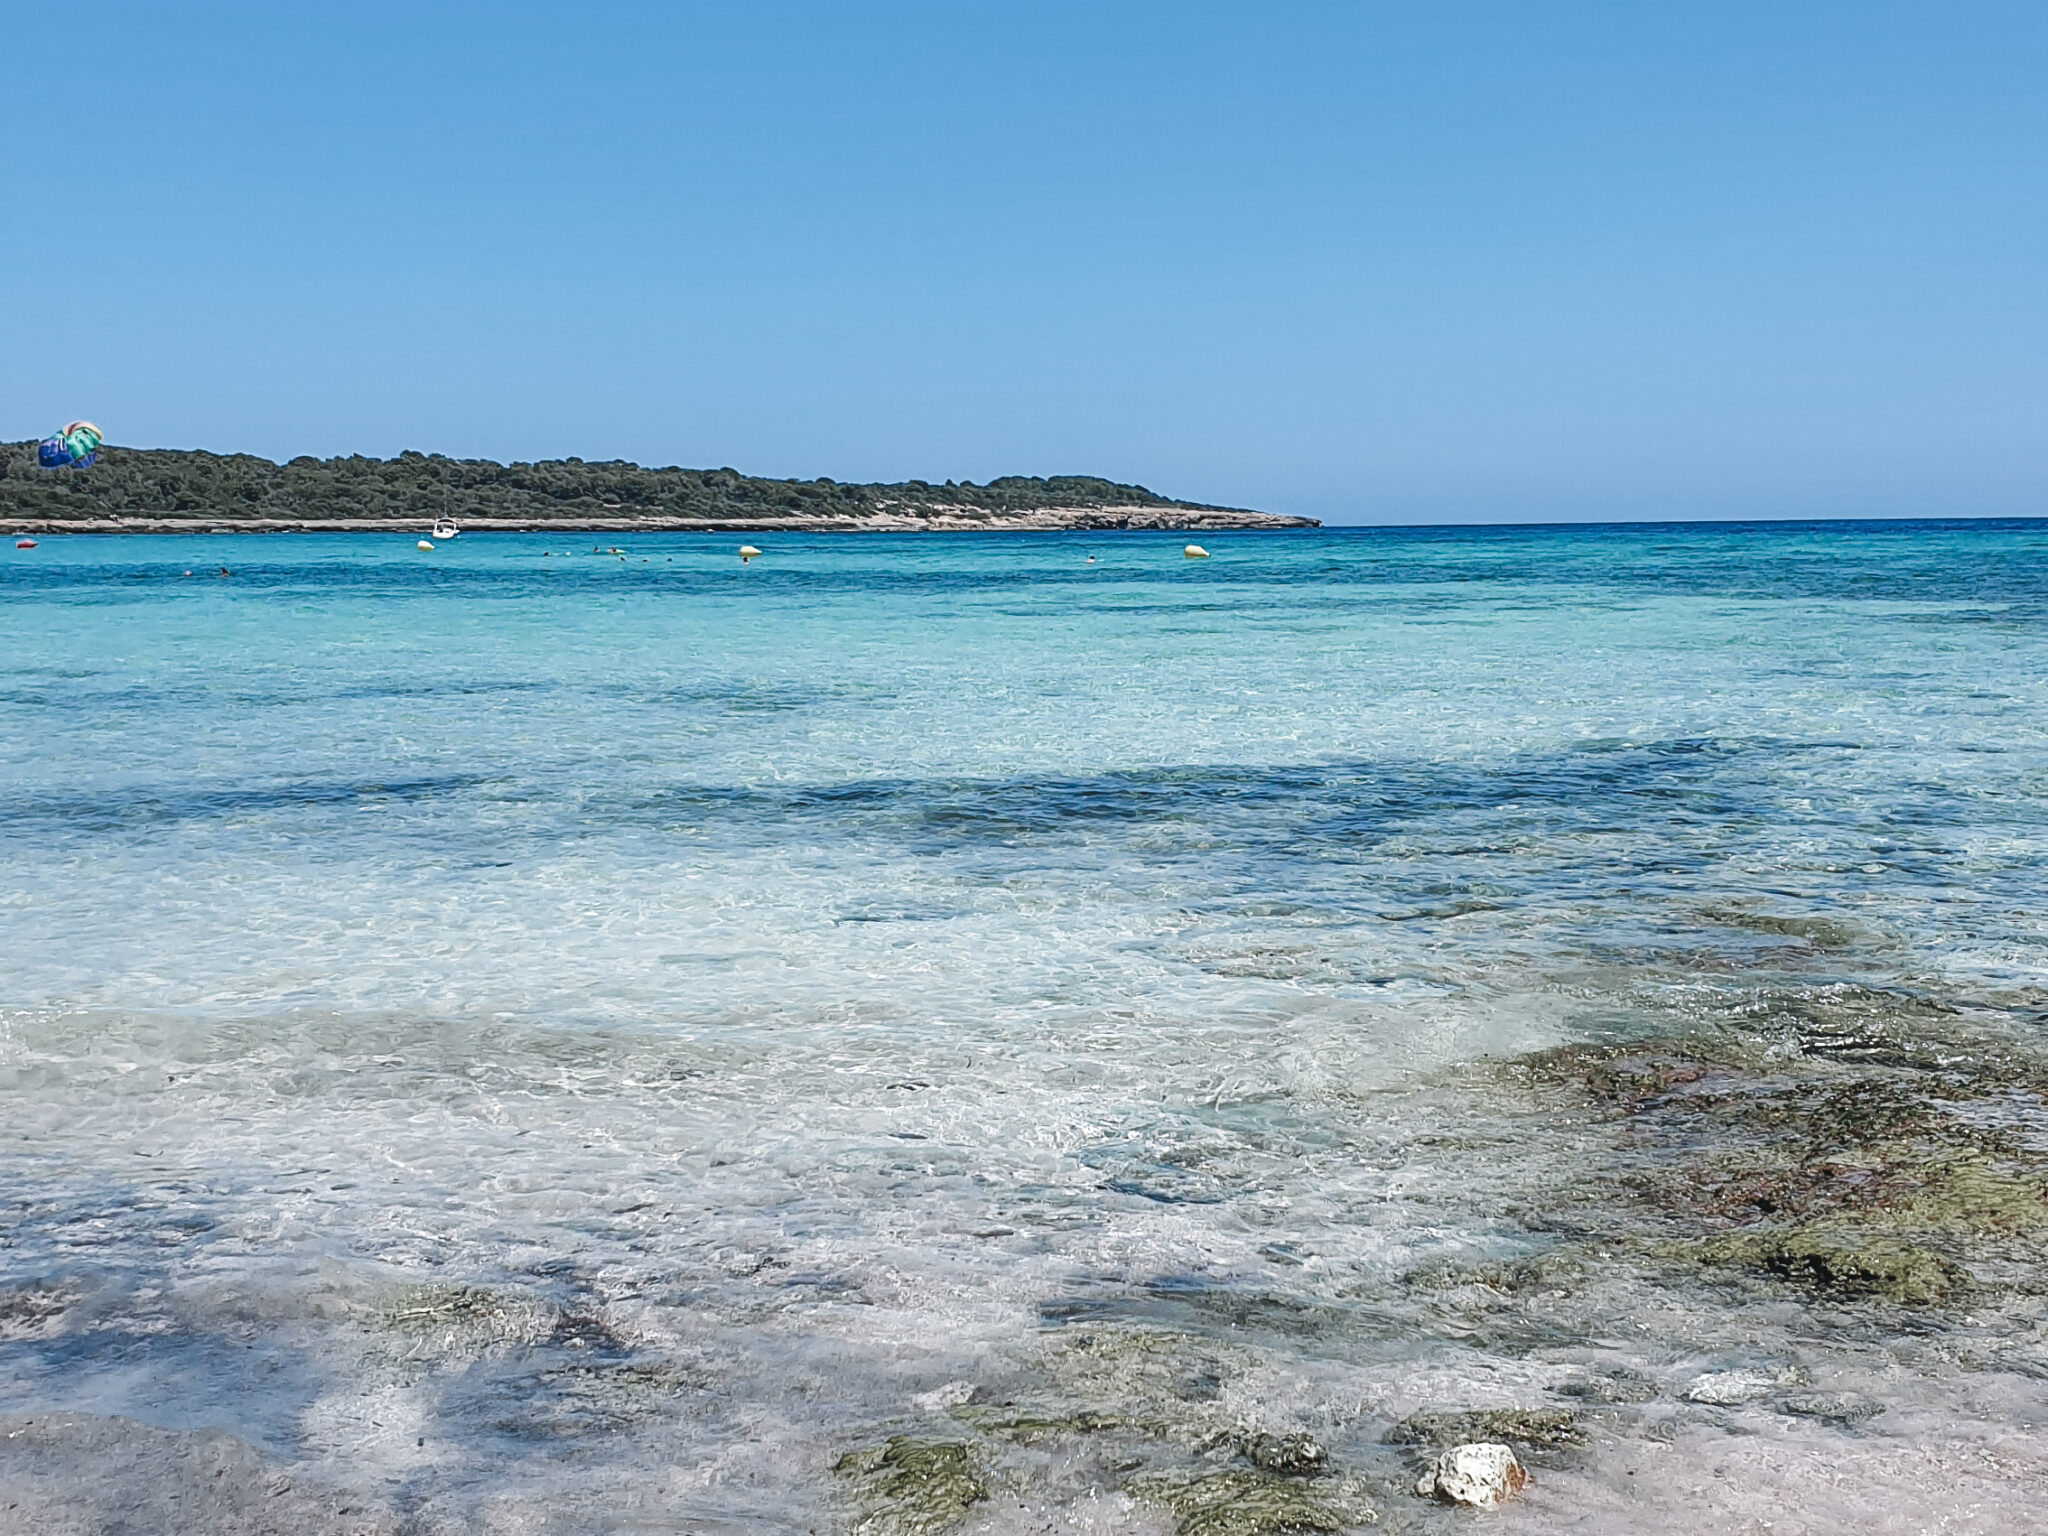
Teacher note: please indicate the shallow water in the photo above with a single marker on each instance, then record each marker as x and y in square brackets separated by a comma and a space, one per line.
[518, 1039]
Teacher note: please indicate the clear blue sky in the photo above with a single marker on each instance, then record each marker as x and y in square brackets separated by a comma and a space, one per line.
[1372, 262]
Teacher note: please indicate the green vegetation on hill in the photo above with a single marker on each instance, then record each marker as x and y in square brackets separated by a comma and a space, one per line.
[167, 482]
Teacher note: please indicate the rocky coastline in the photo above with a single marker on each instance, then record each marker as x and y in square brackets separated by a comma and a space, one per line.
[940, 519]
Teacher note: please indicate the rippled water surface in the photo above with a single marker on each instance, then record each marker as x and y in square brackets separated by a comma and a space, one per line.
[925, 1033]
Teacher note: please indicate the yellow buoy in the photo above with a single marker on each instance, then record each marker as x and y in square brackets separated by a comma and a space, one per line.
[425, 545]
[747, 552]
[1196, 552]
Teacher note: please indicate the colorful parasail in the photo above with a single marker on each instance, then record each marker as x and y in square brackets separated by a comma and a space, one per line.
[75, 447]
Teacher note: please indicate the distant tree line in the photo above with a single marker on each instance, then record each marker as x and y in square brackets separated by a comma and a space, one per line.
[170, 482]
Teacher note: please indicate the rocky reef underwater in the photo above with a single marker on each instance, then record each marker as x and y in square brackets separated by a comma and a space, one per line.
[1784, 1274]
[1779, 1269]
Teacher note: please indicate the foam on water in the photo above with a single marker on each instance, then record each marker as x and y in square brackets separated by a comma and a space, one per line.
[516, 1039]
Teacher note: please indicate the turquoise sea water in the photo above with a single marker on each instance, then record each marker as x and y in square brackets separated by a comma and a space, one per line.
[520, 1038]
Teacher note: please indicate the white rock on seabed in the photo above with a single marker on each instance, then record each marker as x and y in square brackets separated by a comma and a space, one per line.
[1482, 1475]
[1726, 1389]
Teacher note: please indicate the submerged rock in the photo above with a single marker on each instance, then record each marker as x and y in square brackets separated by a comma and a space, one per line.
[1035, 1423]
[451, 1321]
[1809, 1155]
[1243, 1503]
[952, 1394]
[1557, 1270]
[36, 1311]
[1729, 1389]
[1617, 1387]
[1819, 932]
[913, 1487]
[1832, 1407]
[1530, 1428]
[1845, 1265]
[1140, 1370]
[1481, 1474]
[1296, 1455]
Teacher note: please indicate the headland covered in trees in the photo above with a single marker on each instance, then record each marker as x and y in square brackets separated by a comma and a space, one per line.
[168, 490]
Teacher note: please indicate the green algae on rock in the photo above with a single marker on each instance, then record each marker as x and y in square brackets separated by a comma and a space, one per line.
[1297, 1455]
[1164, 1396]
[912, 1487]
[1247, 1503]
[1141, 1368]
[1867, 1148]
[1030, 1426]
[458, 1319]
[1845, 1265]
